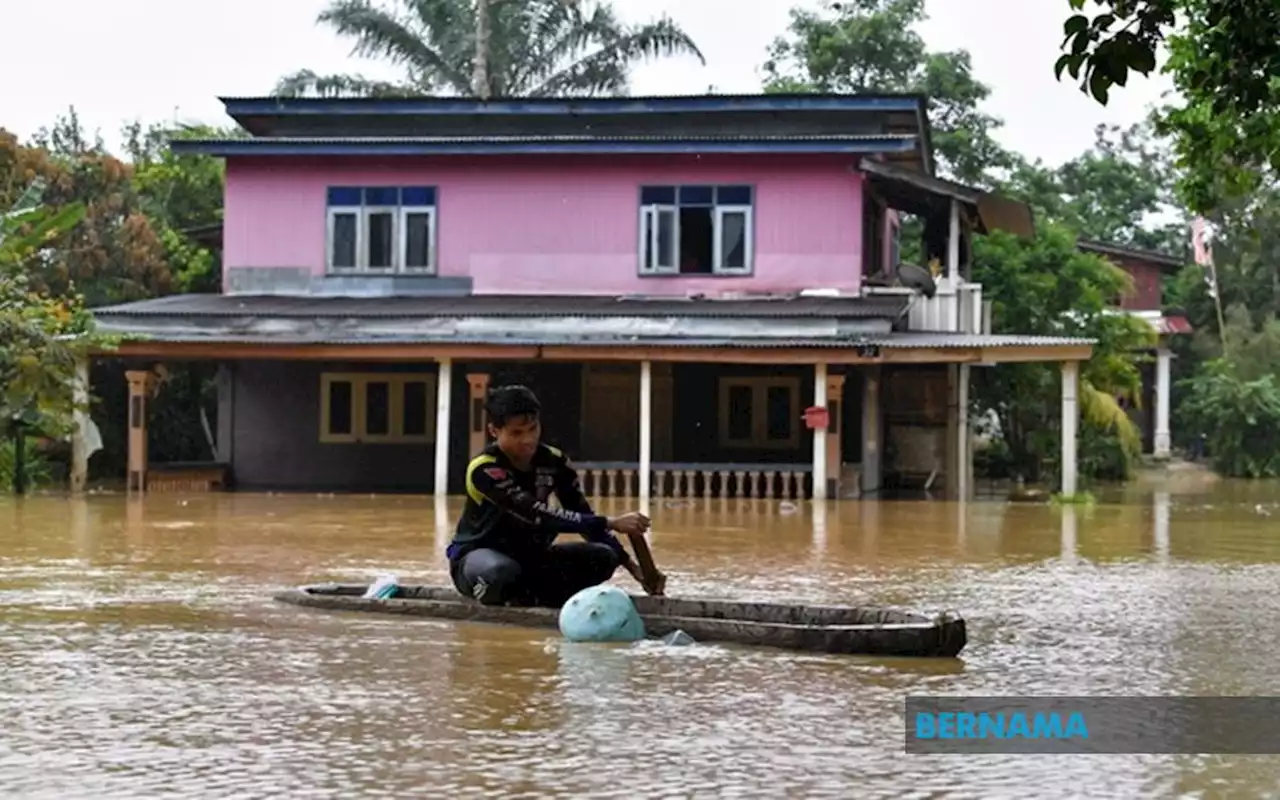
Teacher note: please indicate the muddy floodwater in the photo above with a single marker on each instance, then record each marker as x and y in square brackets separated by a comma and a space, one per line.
[141, 654]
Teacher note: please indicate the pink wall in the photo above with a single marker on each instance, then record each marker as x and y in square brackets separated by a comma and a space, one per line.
[555, 225]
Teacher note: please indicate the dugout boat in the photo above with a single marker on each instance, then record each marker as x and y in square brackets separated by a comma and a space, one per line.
[812, 628]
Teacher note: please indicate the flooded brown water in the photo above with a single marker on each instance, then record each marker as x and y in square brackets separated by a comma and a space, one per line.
[141, 654]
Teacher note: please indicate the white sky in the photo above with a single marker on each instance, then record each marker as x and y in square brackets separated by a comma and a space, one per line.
[117, 60]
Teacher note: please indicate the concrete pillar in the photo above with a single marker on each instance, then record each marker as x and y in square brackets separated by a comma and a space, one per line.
[964, 456]
[80, 435]
[950, 450]
[444, 533]
[1160, 536]
[226, 383]
[1162, 439]
[953, 315]
[444, 407]
[646, 434]
[140, 382]
[835, 454]
[479, 387]
[1070, 419]
[872, 430]
[819, 434]
[1069, 549]
[953, 243]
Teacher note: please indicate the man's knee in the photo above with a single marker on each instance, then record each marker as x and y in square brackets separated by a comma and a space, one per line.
[489, 575]
[604, 561]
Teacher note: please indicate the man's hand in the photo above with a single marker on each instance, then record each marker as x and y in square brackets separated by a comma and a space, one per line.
[630, 524]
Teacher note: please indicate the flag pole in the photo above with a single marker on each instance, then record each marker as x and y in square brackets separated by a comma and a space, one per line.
[1203, 250]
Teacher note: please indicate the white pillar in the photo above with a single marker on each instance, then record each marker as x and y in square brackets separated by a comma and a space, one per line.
[444, 404]
[820, 530]
[1161, 533]
[953, 244]
[1162, 443]
[820, 434]
[646, 433]
[952, 312]
[963, 458]
[80, 435]
[444, 534]
[1070, 416]
[1070, 546]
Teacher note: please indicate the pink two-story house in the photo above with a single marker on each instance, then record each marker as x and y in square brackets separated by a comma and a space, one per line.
[680, 279]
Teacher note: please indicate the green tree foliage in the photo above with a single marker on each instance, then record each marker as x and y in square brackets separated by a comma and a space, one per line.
[1045, 286]
[1048, 287]
[1239, 415]
[1119, 191]
[41, 337]
[180, 193]
[132, 241]
[537, 48]
[1224, 59]
[113, 254]
[875, 46]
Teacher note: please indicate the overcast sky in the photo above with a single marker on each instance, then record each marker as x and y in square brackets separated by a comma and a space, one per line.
[117, 60]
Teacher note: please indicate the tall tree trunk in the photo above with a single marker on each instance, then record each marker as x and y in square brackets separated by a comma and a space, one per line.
[480, 70]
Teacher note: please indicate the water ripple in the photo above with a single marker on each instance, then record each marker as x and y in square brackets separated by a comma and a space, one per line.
[141, 654]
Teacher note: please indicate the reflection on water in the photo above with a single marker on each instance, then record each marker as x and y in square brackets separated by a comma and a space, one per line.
[141, 652]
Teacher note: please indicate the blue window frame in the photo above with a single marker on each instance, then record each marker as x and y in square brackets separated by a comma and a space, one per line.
[381, 229]
[697, 230]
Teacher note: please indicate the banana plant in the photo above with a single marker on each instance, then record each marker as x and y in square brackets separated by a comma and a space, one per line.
[36, 365]
[30, 225]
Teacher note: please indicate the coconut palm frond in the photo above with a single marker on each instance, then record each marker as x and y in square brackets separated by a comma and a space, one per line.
[1103, 411]
[404, 42]
[536, 48]
[604, 69]
[306, 83]
[547, 32]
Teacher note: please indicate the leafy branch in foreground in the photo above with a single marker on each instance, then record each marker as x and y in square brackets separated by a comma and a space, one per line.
[1224, 59]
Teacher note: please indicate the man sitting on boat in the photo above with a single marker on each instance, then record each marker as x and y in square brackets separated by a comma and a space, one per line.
[504, 549]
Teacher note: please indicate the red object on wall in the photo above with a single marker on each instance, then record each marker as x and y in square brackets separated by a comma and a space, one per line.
[816, 417]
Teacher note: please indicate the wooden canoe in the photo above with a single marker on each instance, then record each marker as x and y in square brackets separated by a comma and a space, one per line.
[824, 629]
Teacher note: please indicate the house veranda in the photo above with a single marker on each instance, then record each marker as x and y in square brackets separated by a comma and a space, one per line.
[796, 397]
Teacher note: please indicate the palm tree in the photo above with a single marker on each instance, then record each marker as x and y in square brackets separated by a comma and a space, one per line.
[529, 48]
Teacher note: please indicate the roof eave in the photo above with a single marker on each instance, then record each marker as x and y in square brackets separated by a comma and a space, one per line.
[994, 211]
[507, 106]
[295, 147]
[1165, 261]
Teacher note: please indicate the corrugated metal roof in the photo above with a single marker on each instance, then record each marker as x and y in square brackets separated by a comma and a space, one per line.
[293, 306]
[695, 101]
[1172, 325]
[884, 341]
[549, 145]
[561, 138]
[1167, 260]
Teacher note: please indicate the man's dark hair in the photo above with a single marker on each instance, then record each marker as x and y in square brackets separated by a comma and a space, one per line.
[505, 402]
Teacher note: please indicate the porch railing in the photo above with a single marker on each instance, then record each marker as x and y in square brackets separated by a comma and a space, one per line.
[686, 480]
[187, 476]
[957, 308]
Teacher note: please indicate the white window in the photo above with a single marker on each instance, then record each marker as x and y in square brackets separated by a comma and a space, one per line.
[381, 230]
[660, 232]
[759, 413]
[732, 252]
[418, 239]
[377, 408]
[696, 230]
